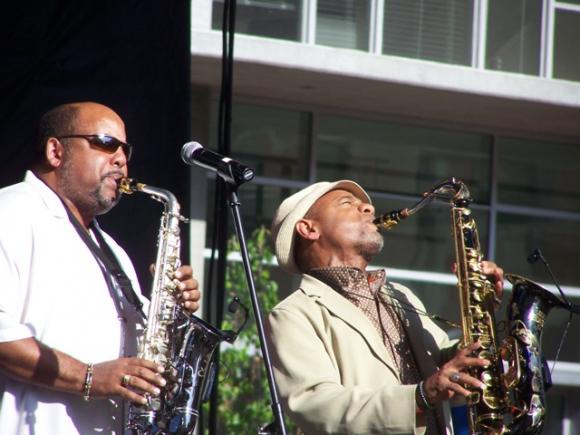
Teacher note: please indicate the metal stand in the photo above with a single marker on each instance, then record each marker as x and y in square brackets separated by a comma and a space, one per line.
[277, 427]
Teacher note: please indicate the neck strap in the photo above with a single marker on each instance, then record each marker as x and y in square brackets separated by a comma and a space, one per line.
[108, 262]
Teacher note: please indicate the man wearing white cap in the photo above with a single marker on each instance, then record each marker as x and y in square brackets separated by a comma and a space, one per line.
[352, 352]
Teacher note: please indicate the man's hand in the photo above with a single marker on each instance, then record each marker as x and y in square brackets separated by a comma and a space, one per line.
[452, 377]
[189, 294]
[494, 274]
[130, 378]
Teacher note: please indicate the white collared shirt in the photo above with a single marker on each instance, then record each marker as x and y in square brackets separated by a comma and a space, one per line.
[52, 288]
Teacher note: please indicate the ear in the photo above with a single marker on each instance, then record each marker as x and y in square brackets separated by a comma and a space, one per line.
[53, 152]
[307, 229]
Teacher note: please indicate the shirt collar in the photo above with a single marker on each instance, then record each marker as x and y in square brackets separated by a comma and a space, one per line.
[48, 196]
[346, 278]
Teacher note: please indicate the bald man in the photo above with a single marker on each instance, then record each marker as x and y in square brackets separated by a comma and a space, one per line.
[67, 327]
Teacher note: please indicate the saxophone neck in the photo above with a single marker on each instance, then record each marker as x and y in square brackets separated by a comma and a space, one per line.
[128, 186]
[451, 191]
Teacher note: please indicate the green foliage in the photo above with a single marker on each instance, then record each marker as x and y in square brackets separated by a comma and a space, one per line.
[244, 398]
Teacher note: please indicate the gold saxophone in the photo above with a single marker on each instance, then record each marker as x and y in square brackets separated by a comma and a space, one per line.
[180, 342]
[514, 400]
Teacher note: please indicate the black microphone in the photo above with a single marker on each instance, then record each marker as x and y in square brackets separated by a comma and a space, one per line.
[537, 255]
[231, 171]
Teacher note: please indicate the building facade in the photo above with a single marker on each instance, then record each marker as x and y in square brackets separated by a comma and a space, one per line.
[399, 95]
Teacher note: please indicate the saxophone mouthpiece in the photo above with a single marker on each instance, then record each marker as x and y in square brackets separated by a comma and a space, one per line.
[389, 220]
[124, 185]
[129, 186]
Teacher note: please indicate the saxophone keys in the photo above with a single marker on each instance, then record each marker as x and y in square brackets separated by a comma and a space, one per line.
[492, 401]
[487, 378]
[473, 398]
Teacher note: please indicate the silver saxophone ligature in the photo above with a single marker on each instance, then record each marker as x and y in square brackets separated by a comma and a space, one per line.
[172, 338]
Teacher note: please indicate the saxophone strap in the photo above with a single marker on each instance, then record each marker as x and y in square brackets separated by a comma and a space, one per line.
[418, 342]
[108, 263]
[115, 269]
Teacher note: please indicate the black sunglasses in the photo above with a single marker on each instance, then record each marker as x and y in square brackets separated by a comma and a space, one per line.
[106, 143]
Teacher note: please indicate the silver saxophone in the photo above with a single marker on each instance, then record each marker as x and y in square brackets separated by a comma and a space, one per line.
[173, 338]
[514, 400]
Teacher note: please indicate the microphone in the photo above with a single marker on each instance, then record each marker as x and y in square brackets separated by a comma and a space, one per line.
[537, 255]
[231, 171]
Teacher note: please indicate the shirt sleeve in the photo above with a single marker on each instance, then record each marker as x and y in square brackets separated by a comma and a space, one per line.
[13, 262]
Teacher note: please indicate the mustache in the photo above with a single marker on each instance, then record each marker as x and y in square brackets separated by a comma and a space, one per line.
[115, 174]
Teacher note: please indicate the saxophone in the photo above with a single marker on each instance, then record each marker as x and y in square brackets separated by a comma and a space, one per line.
[180, 342]
[514, 400]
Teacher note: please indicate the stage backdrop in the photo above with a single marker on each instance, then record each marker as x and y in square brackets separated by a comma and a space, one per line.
[130, 55]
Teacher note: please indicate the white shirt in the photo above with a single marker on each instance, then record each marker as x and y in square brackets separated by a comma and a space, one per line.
[52, 288]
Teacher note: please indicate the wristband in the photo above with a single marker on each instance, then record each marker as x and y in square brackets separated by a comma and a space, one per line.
[422, 398]
[88, 383]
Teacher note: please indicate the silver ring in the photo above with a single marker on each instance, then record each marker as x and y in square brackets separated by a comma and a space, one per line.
[125, 380]
[454, 377]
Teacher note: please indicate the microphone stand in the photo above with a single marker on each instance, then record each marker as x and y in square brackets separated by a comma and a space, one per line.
[277, 427]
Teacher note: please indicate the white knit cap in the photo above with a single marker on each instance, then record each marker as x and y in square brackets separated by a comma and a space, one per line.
[295, 208]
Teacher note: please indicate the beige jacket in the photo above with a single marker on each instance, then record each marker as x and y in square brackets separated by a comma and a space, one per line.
[333, 372]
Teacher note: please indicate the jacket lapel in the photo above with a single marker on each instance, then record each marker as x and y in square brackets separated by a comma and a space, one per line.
[413, 329]
[350, 314]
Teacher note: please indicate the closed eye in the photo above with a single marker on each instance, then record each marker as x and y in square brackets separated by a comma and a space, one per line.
[348, 200]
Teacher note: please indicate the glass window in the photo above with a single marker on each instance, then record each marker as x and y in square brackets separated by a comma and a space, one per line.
[258, 205]
[441, 300]
[566, 62]
[439, 30]
[538, 174]
[343, 23]
[519, 235]
[271, 18]
[400, 158]
[424, 240]
[273, 142]
[513, 36]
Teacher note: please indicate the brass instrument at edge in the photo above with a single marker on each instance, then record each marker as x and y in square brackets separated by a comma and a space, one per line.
[514, 400]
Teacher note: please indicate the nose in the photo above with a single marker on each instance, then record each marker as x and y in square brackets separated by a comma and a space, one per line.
[365, 207]
[118, 158]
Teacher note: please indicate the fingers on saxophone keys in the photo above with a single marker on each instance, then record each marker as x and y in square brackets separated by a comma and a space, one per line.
[460, 382]
[190, 299]
[469, 349]
[137, 389]
[185, 272]
[145, 375]
[134, 397]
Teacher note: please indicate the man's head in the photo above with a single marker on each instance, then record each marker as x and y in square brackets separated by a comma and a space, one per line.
[326, 224]
[81, 154]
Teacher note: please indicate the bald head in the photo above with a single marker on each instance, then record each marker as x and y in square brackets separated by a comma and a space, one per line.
[82, 172]
[64, 120]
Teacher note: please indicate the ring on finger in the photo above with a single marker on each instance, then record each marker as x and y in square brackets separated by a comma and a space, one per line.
[454, 377]
[125, 380]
